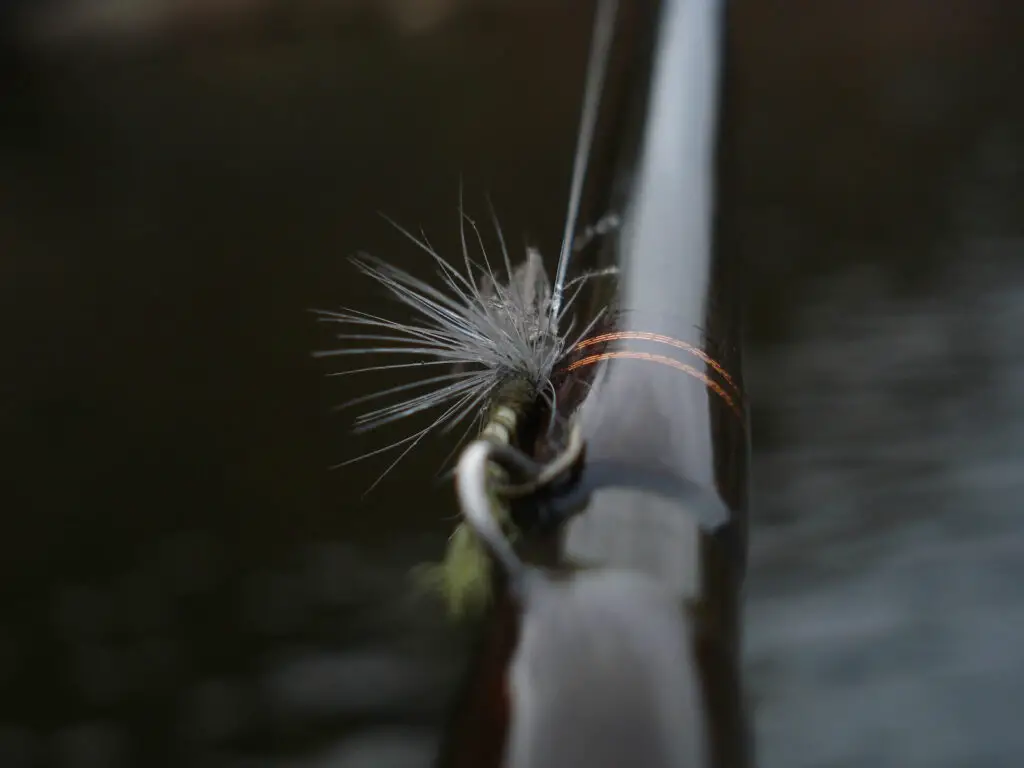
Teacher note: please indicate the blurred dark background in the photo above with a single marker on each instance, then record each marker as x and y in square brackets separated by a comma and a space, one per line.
[185, 583]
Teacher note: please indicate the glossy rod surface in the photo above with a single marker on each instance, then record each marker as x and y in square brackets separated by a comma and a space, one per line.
[637, 658]
[663, 409]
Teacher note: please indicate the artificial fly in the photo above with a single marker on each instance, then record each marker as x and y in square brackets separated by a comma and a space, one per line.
[490, 342]
[489, 336]
[494, 336]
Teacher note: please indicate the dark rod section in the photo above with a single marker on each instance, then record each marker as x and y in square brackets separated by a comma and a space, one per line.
[658, 392]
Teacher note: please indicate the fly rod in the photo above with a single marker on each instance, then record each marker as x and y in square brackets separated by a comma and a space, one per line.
[604, 498]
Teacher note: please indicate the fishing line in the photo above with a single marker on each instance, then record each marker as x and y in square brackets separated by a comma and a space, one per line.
[597, 66]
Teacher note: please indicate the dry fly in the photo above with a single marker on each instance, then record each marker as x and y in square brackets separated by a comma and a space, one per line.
[497, 337]
[490, 334]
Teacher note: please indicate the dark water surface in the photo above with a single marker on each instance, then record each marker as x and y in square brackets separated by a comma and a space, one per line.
[183, 581]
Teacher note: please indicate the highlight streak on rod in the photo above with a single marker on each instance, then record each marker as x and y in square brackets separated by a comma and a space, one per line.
[664, 360]
[663, 339]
